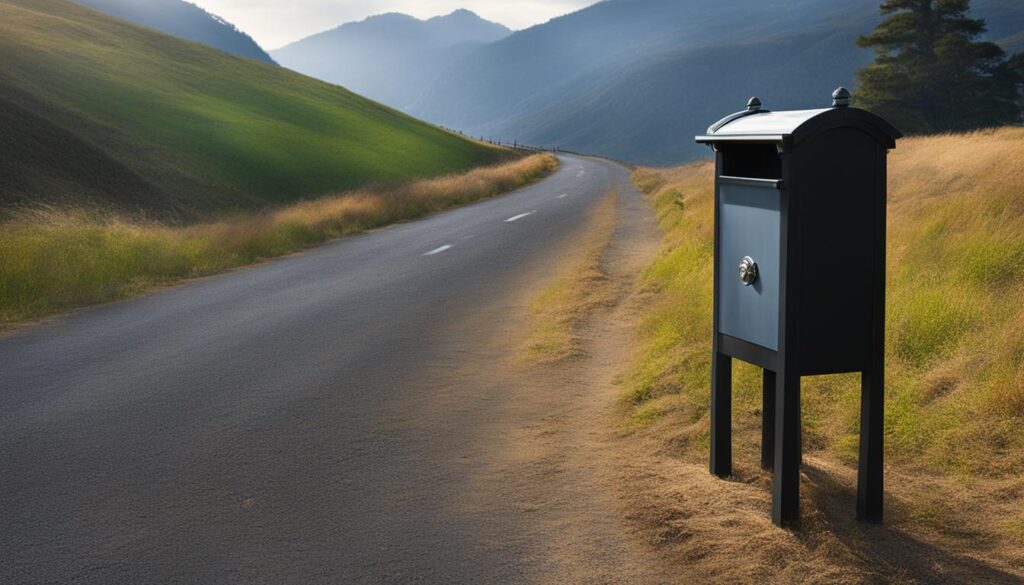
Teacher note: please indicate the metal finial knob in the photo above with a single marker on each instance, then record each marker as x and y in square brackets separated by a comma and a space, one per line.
[840, 97]
[754, 104]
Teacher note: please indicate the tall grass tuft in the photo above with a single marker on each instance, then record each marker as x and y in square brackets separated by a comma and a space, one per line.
[53, 260]
[955, 308]
[582, 287]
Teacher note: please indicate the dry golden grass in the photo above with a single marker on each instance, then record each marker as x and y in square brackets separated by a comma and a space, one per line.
[955, 382]
[558, 311]
[53, 260]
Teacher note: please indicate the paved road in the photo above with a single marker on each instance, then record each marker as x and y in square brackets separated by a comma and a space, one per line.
[243, 428]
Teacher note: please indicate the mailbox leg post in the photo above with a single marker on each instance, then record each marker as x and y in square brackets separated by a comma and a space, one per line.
[786, 479]
[768, 421]
[721, 415]
[870, 468]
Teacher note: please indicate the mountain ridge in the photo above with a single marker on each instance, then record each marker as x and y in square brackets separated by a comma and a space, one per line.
[482, 30]
[390, 57]
[184, 20]
[575, 81]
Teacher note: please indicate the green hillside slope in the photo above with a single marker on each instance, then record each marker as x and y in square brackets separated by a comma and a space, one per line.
[94, 109]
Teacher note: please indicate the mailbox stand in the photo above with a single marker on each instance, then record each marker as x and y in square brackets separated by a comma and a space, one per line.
[800, 201]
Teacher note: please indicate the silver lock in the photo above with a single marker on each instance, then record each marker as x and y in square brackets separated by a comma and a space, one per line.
[748, 271]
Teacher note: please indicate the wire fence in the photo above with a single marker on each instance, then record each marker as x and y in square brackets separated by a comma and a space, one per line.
[523, 147]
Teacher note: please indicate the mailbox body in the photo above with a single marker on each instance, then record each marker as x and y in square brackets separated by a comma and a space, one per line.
[801, 197]
[809, 208]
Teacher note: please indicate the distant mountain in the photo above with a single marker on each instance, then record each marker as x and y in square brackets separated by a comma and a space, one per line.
[637, 79]
[1013, 43]
[95, 110]
[632, 78]
[390, 57]
[185, 20]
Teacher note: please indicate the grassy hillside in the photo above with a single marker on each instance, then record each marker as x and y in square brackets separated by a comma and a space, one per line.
[94, 109]
[183, 19]
[955, 341]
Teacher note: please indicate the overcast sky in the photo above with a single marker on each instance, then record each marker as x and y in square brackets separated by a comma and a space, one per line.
[274, 23]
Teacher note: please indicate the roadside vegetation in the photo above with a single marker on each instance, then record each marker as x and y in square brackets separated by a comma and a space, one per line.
[557, 312]
[955, 349]
[53, 260]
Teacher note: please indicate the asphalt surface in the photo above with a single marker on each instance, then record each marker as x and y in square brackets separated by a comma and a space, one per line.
[242, 428]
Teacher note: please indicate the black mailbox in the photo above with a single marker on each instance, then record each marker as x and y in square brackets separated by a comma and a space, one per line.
[799, 280]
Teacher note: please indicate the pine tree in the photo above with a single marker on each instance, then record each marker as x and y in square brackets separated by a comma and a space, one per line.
[931, 75]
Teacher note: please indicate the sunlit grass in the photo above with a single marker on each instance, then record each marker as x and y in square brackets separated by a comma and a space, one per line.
[582, 287]
[52, 260]
[955, 312]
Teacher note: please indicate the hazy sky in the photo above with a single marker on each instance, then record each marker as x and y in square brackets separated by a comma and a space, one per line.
[274, 23]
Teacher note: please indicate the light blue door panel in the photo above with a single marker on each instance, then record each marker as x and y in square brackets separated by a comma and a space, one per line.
[750, 224]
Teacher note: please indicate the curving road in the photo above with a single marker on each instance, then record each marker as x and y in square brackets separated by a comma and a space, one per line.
[294, 422]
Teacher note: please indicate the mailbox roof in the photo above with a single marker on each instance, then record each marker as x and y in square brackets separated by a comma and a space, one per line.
[797, 125]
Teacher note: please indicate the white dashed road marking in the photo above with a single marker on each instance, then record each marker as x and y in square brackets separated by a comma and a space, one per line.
[443, 248]
[518, 217]
[562, 196]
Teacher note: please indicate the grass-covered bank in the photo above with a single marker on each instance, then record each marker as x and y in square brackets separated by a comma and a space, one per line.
[556, 314]
[96, 110]
[955, 337]
[56, 260]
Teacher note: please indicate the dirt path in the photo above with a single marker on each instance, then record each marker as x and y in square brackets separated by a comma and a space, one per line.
[538, 444]
[538, 471]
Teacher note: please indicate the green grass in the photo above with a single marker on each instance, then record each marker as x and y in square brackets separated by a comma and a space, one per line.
[96, 110]
[55, 260]
[955, 308]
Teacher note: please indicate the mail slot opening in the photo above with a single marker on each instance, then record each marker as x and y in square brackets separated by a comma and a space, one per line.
[752, 160]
